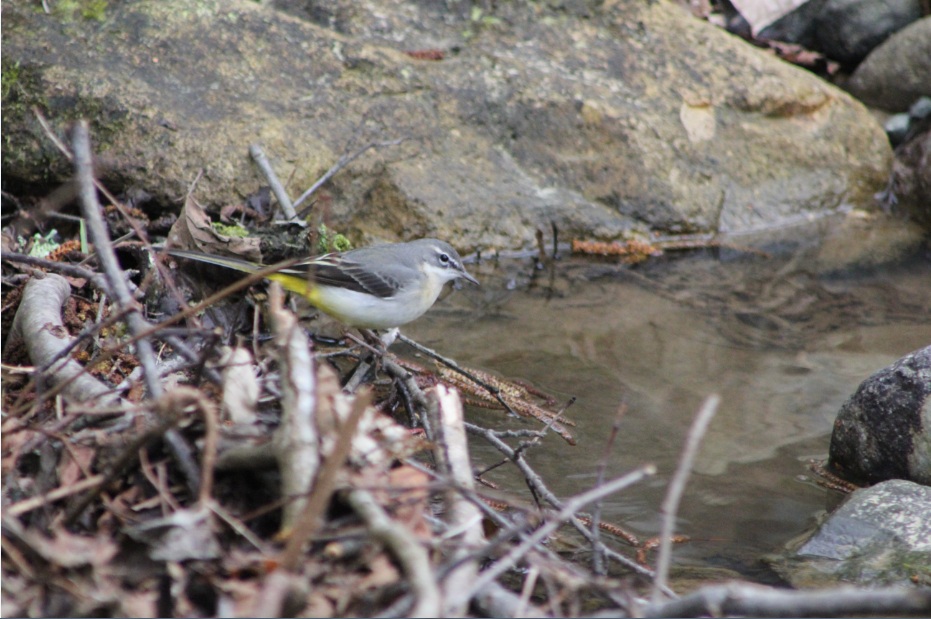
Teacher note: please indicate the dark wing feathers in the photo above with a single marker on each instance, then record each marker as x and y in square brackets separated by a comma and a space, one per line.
[339, 271]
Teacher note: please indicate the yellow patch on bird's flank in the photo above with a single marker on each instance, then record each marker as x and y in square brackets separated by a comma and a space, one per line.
[295, 283]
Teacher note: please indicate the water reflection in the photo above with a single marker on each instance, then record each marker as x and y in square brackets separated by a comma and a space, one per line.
[783, 339]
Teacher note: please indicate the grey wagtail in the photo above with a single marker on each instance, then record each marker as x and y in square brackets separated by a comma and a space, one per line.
[378, 287]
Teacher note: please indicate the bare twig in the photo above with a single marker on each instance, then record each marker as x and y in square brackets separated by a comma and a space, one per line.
[51, 135]
[119, 291]
[309, 520]
[26, 506]
[236, 286]
[413, 389]
[750, 600]
[209, 453]
[568, 510]
[452, 454]
[137, 230]
[297, 436]
[339, 165]
[71, 270]
[258, 155]
[670, 505]
[413, 558]
[273, 595]
[169, 409]
[358, 376]
[536, 484]
[494, 391]
[39, 325]
[97, 230]
[527, 589]
[238, 526]
[497, 601]
[597, 547]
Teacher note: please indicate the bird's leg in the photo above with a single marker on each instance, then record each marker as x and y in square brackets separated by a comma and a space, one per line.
[388, 337]
[378, 346]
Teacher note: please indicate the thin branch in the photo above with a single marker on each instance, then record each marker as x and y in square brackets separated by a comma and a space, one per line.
[537, 485]
[97, 229]
[309, 520]
[406, 548]
[569, 508]
[137, 230]
[339, 165]
[209, 453]
[26, 506]
[497, 601]
[119, 291]
[38, 324]
[463, 517]
[750, 600]
[71, 270]
[237, 525]
[258, 155]
[297, 437]
[597, 547]
[456, 368]
[670, 505]
[417, 395]
[168, 415]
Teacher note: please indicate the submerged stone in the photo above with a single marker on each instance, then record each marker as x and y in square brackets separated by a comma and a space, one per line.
[880, 536]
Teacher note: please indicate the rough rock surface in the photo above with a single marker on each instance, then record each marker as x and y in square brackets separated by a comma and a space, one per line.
[848, 30]
[897, 72]
[884, 430]
[880, 536]
[598, 118]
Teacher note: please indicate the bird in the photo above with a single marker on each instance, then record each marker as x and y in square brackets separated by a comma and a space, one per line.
[377, 287]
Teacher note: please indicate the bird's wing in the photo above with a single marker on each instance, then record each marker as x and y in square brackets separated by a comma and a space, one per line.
[345, 272]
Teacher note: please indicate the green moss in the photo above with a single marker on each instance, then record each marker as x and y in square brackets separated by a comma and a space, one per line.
[9, 78]
[94, 9]
[21, 135]
[479, 21]
[234, 230]
[329, 240]
[69, 10]
[20, 86]
[42, 246]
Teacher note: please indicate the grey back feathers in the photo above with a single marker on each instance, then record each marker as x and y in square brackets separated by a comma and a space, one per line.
[382, 270]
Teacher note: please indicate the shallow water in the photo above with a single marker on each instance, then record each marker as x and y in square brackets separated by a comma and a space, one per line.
[784, 338]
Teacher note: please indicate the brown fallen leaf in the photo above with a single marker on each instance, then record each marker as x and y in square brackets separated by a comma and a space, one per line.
[194, 231]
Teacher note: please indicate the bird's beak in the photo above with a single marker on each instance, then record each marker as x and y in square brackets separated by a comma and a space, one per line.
[466, 276]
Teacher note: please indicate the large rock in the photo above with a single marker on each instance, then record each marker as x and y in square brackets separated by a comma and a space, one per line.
[798, 26]
[897, 72]
[911, 176]
[884, 430]
[879, 536]
[598, 118]
[848, 30]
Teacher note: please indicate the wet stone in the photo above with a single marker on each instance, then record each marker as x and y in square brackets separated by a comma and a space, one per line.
[881, 535]
[884, 430]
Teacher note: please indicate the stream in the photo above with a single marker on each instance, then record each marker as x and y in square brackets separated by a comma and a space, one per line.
[784, 333]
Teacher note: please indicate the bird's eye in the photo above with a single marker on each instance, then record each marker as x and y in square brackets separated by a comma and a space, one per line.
[444, 259]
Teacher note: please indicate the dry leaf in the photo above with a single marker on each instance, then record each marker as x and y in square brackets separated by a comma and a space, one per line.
[193, 231]
[761, 13]
[240, 386]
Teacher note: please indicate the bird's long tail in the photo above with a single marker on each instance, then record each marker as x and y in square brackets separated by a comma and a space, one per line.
[290, 281]
[222, 261]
